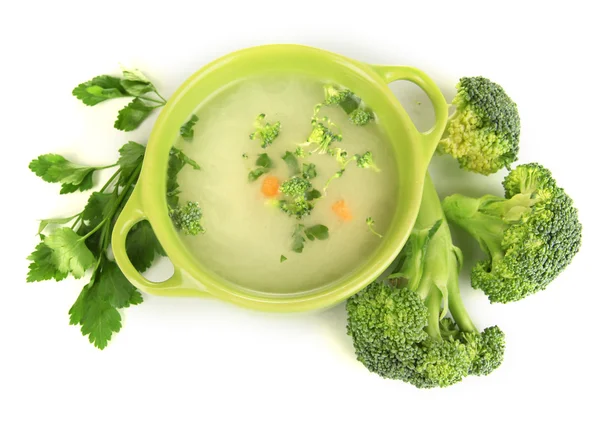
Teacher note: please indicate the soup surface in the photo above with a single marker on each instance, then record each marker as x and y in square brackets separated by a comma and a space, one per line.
[248, 239]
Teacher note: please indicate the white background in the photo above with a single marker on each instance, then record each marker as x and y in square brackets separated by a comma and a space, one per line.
[181, 363]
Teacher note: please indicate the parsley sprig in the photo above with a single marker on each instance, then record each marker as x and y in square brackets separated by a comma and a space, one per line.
[79, 243]
[133, 84]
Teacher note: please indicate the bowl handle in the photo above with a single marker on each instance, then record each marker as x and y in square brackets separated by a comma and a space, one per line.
[430, 138]
[133, 213]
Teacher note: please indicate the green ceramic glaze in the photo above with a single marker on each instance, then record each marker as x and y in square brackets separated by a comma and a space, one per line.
[413, 151]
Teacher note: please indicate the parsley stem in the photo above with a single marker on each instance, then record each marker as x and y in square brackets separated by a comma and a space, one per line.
[107, 166]
[161, 97]
[93, 231]
[160, 103]
[105, 232]
[112, 179]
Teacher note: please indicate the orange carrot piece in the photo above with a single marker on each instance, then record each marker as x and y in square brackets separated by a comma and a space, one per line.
[341, 209]
[270, 186]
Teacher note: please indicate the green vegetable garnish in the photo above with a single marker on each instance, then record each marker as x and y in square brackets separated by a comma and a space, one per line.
[337, 175]
[282, 258]
[297, 193]
[361, 116]
[370, 225]
[82, 245]
[299, 152]
[54, 168]
[187, 130]
[81, 242]
[264, 164]
[357, 112]
[255, 174]
[187, 218]
[319, 232]
[265, 132]
[264, 161]
[309, 171]
[292, 163]
[366, 161]
[322, 136]
[132, 84]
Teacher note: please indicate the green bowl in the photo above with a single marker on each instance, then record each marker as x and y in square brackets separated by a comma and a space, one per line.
[413, 151]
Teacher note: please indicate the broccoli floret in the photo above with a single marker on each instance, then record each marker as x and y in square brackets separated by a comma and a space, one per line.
[341, 156]
[361, 116]
[322, 136]
[396, 324]
[483, 133]
[299, 152]
[187, 218]
[366, 161]
[265, 132]
[298, 197]
[357, 112]
[530, 236]
[335, 95]
[295, 187]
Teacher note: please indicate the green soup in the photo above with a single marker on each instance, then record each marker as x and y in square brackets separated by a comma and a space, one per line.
[248, 239]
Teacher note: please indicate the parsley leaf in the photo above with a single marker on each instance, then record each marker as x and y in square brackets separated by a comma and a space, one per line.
[264, 161]
[184, 158]
[131, 116]
[56, 221]
[309, 171]
[292, 163]
[131, 154]
[142, 246]
[99, 89]
[298, 239]
[187, 130]
[320, 232]
[255, 174]
[264, 164]
[96, 308]
[98, 207]
[113, 287]
[282, 258]
[69, 252]
[86, 183]
[135, 83]
[99, 322]
[132, 84]
[42, 266]
[177, 160]
[313, 194]
[54, 168]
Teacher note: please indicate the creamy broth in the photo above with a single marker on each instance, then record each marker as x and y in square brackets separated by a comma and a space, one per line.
[245, 236]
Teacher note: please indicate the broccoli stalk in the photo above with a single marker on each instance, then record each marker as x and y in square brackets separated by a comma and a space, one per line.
[398, 326]
[530, 236]
[483, 133]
